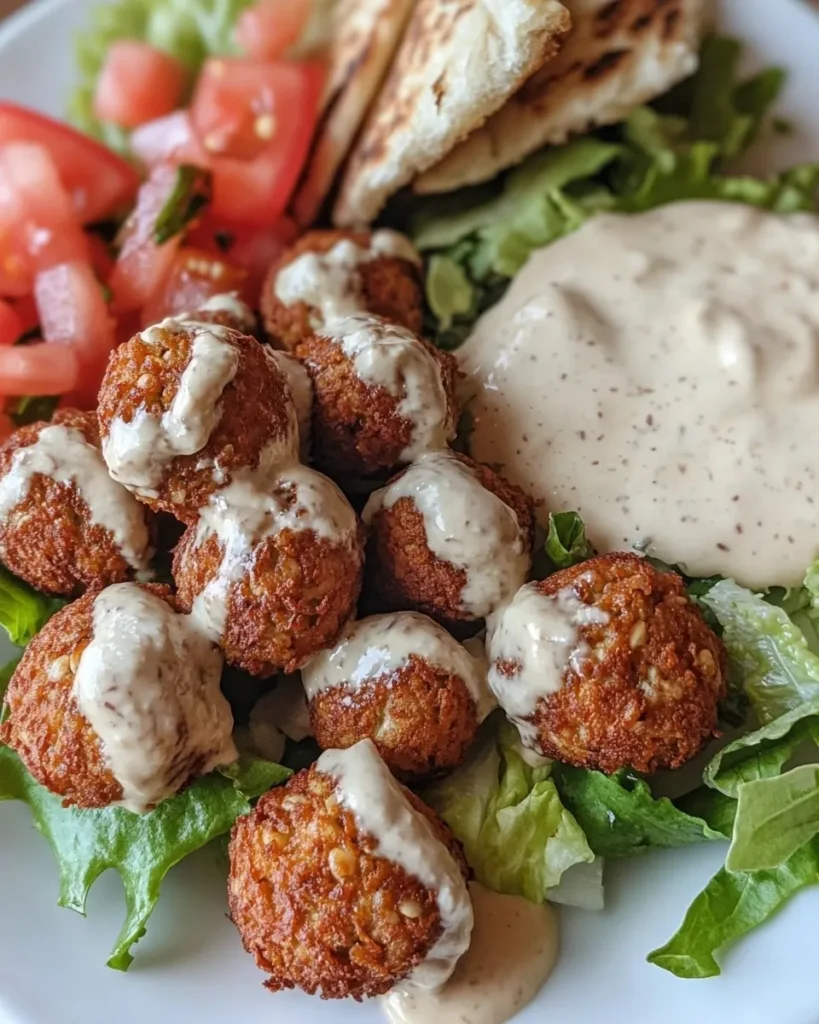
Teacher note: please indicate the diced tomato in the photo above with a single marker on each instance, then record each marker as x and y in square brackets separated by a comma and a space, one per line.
[38, 369]
[73, 312]
[269, 28]
[99, 182]
[169, 139]
[196, 276]
[137, 84]
[11, 325]
[101, 257]
[26, 309]
[7, 426]
[242, 107]
[38, 225]
[142, 264]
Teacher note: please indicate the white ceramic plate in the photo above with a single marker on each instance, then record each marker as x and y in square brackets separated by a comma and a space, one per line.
[191, 965]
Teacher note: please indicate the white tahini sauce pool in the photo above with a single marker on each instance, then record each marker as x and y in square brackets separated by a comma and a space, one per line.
[659, 373]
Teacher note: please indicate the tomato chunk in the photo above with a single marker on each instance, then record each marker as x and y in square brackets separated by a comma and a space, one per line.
[138, 83]
[168, 139]
[11, 324]
[268, 29]
[99, 182]
[195, 277]
[142, 263]
[38, 225]
[39, 369]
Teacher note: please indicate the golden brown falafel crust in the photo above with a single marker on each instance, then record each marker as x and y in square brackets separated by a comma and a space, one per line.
[390, 288]
[315, 906]
[648, 695]
[294, 599]
[256, 411]
[45, 727]
[403, 574]
[422, 719]
[357, 430]
[49, 539]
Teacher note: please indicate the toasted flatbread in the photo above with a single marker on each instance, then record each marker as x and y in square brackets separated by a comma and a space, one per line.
[619, 55]
[365, 35]
[459, 61]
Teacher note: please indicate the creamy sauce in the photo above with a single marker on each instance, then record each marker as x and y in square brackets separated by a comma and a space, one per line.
[378, 647]
[660, 374]
[541, 635]
[466, 525]
[63, 454]
[230, 303]
[148, 683]
[138, 453]
[512, 953]
[365, 787]
[249, 511]
[328, 282]
[387, 356]
[301, 388]
[285, 708]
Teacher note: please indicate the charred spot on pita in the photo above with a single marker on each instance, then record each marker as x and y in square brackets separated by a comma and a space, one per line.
[608, 62]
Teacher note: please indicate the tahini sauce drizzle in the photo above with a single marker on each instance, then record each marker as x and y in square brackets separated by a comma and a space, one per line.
[388, 356]
[365, 787]
[301, 388]
[63, 454]
[250, 510]
[329, 282]
[381, 645]
[148, 683]
[512, 953]
[660, 374]
[465, 524]
[540, 634]
[137, 453]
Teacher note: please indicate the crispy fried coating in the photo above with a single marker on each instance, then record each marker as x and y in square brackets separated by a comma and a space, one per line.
[315, 906]
[53, 739]
[421, 718]
[402, 572]
[256, 412]
[49, 538]
[646, 695]
[390, 287]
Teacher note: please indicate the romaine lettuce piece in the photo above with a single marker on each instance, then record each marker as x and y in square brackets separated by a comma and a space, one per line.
[23, 611]
[517, 835]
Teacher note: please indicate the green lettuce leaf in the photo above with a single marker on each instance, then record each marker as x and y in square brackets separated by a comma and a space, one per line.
[620, 816]
[775, 818]
[190, 30]
[140, 848]
[23, 611]
[566, 542]
[730, 906]
[449, 291]
[517, 835]
[679, 148]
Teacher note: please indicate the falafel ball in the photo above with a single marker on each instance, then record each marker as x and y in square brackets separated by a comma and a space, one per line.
[382, 396]
[184, 406]
[272, 572]
[328, 274]
[402, 681]
[116, 700]
[226, 309]
[448, 537]
[342, 882]
[65, 525]
[608, 664]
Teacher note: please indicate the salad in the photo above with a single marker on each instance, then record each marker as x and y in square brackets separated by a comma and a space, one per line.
[405, 472]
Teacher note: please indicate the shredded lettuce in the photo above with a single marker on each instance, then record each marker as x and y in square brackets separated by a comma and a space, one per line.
[190, 30]
[679, 148]
[23, 611]
[140, 848]
[517, 835]
[621, 817]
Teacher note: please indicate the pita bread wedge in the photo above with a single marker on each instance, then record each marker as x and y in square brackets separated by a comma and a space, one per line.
[459, 61]
[365, 36]
[619, 55]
